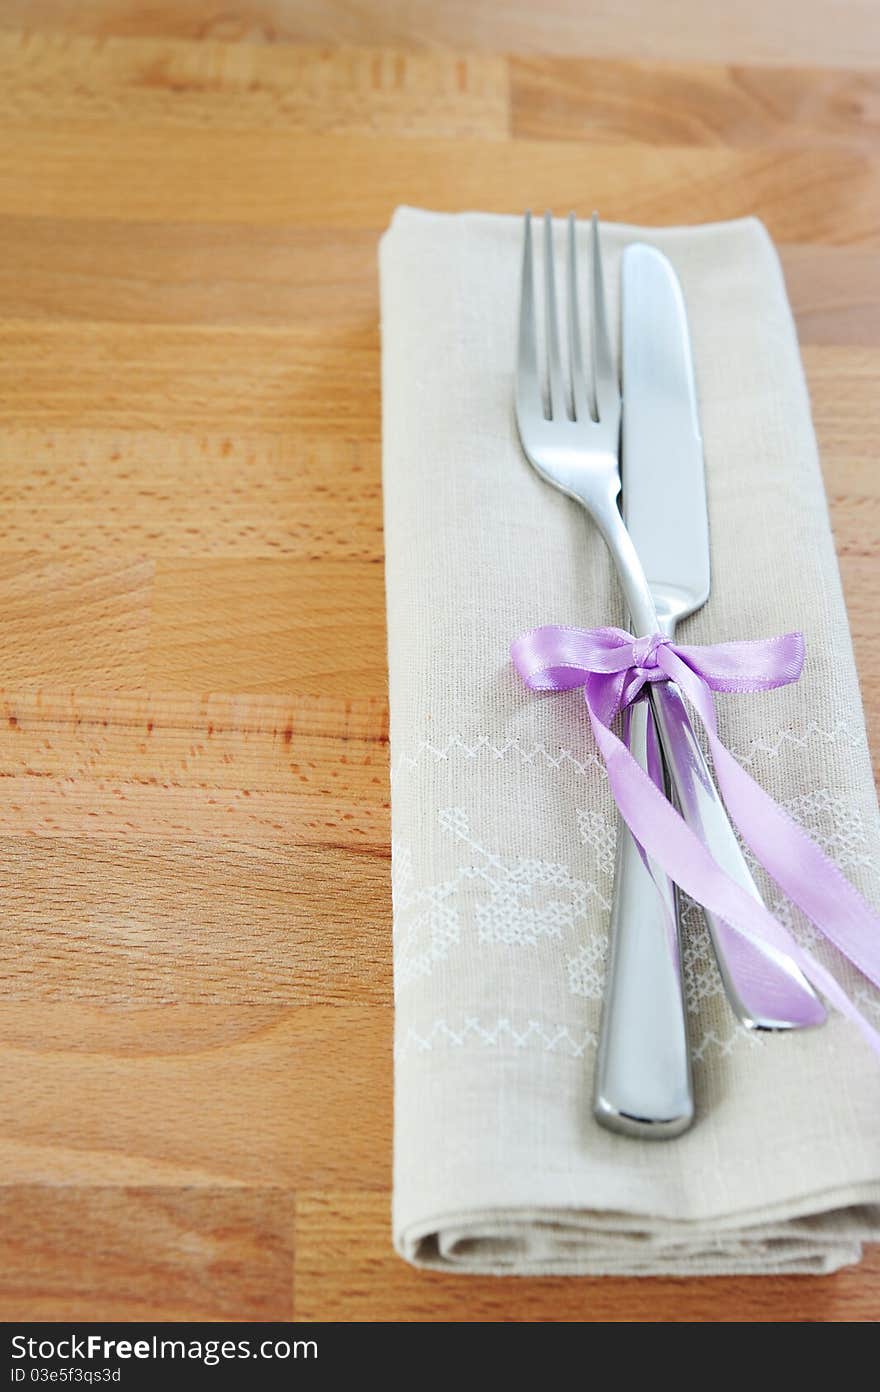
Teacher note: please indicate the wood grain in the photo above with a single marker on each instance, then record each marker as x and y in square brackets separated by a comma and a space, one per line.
[54, 77]
[835, 294]
[189, 494]
[85, 169]
[260, 924]
[661, 104]
[146, 1253]
[195, 986]
[120, 376]
[203, 1096]
[205, 624]
[86, 618]
[789, 31]
[186, 273]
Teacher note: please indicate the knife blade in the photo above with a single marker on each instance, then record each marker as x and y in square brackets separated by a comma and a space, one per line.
[664, 478]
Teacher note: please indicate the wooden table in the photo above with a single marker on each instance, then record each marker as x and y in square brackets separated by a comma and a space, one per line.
[195, 990]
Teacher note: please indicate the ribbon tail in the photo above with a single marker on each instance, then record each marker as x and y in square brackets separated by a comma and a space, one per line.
[667, 839]
[799, 867]
[808, 877]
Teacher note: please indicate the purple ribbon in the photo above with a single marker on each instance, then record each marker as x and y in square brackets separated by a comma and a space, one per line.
[613, 668]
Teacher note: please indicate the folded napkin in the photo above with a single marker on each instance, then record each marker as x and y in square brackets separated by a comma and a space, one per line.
[504, 827]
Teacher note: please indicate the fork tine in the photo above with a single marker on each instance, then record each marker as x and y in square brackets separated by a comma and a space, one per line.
[575, 351]
[558, 409]
[529, 399]
[605, 385]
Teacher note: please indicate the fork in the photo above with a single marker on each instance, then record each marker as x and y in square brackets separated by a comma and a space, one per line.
[575, 447]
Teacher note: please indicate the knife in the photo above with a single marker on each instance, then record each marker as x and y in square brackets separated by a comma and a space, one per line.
[643, 1074]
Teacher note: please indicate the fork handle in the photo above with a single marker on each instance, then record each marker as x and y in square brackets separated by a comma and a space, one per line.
[643, 1075]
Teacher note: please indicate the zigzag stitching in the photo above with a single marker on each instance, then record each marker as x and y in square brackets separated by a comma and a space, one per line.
[483, 745]
[549, 1038]
[738, 1038]
[757, 748]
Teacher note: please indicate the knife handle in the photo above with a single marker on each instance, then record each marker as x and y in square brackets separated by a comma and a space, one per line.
[765, 988]
[643, 1075]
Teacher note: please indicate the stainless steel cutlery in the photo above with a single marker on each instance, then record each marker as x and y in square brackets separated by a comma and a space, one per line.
[660, 549]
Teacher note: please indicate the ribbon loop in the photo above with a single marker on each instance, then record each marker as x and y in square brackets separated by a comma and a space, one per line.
[613, 668]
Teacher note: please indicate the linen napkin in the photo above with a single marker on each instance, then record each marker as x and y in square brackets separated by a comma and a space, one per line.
[504, 827]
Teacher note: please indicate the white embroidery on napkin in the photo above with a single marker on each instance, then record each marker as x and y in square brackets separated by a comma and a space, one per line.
[771, 746]
[714, 1042]
[511, 903]
[586, 969]
[868, 1001]
[426, 920]
[599, 830]
[503, 1033]
[835, 825]
[515, 901]
[584, 761]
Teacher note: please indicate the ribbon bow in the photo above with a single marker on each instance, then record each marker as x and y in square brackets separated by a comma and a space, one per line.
[614, 668]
